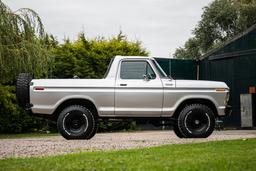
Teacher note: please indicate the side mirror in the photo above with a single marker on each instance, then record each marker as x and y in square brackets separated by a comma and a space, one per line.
[171, 78]
[145, 77]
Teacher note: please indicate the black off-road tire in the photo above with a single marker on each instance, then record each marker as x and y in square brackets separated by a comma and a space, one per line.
[22, 89]
[196, 121]
[177, 131]
[94, 131]
[76, 122]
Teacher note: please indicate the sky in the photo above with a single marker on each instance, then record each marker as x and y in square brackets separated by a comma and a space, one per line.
[161, 25]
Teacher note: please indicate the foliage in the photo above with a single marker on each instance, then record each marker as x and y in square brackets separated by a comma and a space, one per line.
[110, 126]
[221, 155]
[21, 48]
[12, 118]
[220, 21]
[190, 50]
[24, 47]
[90, 58]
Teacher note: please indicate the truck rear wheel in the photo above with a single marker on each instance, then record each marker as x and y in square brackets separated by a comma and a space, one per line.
[22, 89]
[94, 131]
[196, 121]
[76, 122]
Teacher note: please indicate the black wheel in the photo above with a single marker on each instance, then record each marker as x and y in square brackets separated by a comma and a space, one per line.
[76, 122]
[196, 121]
[177, 131]
[22, 89]
[94, 131]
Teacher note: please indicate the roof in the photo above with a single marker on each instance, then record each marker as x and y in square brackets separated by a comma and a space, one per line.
[135, 57]
[209, 53]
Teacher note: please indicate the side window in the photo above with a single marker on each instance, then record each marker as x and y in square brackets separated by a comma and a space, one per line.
[136, 70]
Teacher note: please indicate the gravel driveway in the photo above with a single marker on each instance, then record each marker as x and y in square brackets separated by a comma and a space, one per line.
[53, 145]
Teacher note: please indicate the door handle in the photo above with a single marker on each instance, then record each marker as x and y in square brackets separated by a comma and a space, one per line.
[123, 84]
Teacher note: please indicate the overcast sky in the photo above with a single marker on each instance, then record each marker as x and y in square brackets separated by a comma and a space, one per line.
[161, 25]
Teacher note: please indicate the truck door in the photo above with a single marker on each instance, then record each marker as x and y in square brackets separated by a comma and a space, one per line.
[138, 89]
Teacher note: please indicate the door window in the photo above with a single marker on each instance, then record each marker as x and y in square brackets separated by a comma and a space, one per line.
[136, 70]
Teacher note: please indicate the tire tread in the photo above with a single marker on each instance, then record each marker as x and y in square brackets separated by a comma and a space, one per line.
[87, 133]
[181, 125]
[22, 89]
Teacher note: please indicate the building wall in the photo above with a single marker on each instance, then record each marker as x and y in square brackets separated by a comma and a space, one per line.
[234, 64]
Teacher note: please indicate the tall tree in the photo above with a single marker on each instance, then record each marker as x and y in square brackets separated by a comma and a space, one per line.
[190, 50]
[24, 47]
[21, 48]
[90, 58]
[220, 21]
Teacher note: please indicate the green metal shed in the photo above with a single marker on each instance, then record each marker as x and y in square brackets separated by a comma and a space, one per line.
[235, 64]
[179, 69]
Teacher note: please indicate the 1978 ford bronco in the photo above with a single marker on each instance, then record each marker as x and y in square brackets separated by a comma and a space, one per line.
[134, 87]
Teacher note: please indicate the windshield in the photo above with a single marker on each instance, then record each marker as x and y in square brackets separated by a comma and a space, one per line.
[160, 71]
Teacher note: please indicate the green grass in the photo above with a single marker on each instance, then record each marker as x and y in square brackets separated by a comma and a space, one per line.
[26, 135]
[225, 155]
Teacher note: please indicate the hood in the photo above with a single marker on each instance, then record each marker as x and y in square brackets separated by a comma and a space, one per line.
[200, 84]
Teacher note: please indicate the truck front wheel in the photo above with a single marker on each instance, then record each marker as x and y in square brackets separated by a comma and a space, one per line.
[76, 122]
[177, 131]
[196, 121]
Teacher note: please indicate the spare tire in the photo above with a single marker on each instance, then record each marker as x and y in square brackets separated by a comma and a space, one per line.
[22, 89]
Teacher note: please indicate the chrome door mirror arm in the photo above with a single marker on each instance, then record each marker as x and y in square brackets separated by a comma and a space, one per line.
[145, 78]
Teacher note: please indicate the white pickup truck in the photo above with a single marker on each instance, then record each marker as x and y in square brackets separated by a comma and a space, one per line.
[134, 87]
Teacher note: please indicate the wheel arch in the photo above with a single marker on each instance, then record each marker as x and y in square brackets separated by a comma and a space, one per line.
[204, 101]
[75, 101]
